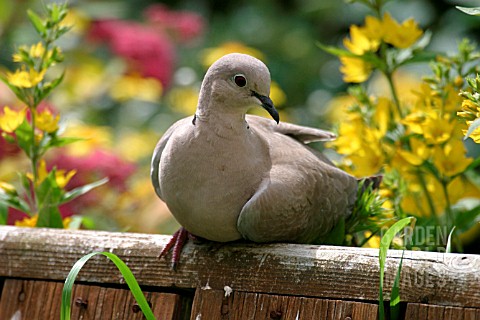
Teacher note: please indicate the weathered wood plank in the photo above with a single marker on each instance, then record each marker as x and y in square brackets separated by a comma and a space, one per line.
[28, 299]
[215, 304]
[291, 269]
[418, 311]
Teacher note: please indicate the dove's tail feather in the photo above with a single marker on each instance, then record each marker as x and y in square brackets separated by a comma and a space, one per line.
[373, 181]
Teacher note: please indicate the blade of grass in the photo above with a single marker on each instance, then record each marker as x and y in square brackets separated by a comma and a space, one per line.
[448, 248]
[126, 273]
[382, 256]
[395, 295]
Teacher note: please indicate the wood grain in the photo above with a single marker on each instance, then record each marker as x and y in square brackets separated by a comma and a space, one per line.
[27, 299]
[280, 269]
[418, 311]
[215, 304]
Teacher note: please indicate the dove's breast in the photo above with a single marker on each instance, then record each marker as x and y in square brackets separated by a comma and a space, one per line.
[206, 180]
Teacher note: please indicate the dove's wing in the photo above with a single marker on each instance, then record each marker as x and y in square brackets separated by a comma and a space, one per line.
[303, 196]
[157, 154]
[303, 134]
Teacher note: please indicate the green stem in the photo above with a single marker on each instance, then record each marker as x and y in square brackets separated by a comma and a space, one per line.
[448, 209]
[431, 205]
[396, 101]
[34, 157]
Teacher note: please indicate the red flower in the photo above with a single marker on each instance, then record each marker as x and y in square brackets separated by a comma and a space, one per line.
[149, 52]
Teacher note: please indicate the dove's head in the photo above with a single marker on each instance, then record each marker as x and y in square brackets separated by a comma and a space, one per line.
[234, 83]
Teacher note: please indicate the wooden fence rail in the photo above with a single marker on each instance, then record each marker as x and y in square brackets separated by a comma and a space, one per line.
[226, 281]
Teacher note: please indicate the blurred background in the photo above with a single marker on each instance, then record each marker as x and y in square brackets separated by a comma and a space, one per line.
[135, 67]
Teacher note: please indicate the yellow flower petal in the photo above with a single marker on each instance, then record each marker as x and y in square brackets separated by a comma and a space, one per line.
[359, 43]
[11, 119]
[25, 79]
[355, 70]
[401, 36]
[451, 159]
[7, 188]
[62, 179]
[27, 222]
[45, 121]
[37, 50]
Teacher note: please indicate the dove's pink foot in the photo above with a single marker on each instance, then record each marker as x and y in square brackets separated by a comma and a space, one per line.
[177, 242]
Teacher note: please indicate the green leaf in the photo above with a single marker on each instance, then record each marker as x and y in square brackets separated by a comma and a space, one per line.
[473, 126]
[419, 57]
[49, 87]
[49, 217]
[336, 51]
[3, 213]
[25, 137]
[63, 141]
[395, 294]
[72, 194]
[49, 195]
[384, 245]
[127, 274]
[14, 202]
[471, 11]
[37, 22]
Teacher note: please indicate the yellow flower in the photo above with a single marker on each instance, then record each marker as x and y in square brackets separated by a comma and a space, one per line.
[11, 119]
[451, 159]
[373, 242]
[349, 138]
[45, 121]
[355, 70]
[66, 222]
[61, 176]
[136, 87]
[29, 222]
[373, 28]
[475, 135]
[211, 55]
[470, 110]
[401, 36]
[25, 79]
[383, 114]
[418, 154]
[7, 188]
[437, 130]
[359, 42]
[414, 121]
[37, 50]
[367, 161]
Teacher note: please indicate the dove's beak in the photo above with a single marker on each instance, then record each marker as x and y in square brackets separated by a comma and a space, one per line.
[267, 104]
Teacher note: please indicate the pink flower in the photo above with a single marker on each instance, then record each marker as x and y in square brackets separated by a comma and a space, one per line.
[148, 52]
[186, 25]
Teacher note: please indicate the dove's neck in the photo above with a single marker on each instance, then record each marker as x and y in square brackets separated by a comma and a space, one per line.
[214, 110]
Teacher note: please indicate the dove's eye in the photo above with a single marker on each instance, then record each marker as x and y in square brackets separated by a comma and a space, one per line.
[240, 80]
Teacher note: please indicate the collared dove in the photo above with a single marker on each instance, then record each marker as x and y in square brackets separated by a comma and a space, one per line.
[226, 175]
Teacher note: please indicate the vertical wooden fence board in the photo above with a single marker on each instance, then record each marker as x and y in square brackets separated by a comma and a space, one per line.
[418, 311]
[29, 299]
[213, 304]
